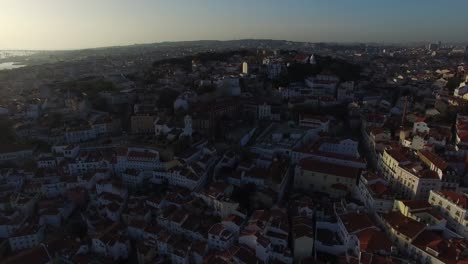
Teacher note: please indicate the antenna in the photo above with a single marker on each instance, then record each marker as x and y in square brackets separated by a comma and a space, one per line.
[404, 113]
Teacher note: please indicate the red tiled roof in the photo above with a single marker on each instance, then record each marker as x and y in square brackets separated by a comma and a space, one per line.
[380, 190]
[339, 186]
[372, 240]
[320, 118]
[142, 154]
[399, 154]
[219, 230]
[310, 164]
[404, 225]
[417, 204]
[314, 151]
[434, 158]
[457, 198]
[234, 219]
[356, 221]
[448, 251]
[246, 255]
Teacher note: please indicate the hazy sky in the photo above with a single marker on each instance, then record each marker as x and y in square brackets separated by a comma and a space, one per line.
[70, 24]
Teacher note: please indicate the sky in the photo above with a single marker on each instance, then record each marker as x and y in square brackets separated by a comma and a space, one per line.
[76, 24]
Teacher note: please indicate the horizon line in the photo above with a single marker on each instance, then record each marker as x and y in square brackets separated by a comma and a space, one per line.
[243, 39]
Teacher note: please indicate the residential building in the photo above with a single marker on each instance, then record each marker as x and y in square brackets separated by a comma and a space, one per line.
[335, 180]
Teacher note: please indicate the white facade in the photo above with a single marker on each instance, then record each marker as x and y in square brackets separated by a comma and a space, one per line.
[80, 135]
[420, 127]
[454, 207]
[27, 239]
[264, 112]
[409, 180]
[15, 155]
[142, 159]
[344, 147]
[188, 126]
[375, 193]
[318, 124]
[245, 68]
[219, 238]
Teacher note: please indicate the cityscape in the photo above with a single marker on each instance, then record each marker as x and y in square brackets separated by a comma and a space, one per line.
[241, 150]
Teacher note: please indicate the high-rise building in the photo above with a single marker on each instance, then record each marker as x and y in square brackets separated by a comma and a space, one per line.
[245, 68]
[433, 46]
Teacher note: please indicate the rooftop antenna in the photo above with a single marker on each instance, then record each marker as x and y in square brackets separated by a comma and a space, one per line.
[404, 113]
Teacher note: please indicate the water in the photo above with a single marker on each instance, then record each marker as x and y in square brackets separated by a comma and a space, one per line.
[10, 65]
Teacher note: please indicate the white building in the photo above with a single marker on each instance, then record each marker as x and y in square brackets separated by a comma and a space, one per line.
[374, 191]
[134, 178]
[245, 68]
[88, 161]
[80, 134]
[219, 238]
[187, 126]
[67, 151]
[15, 152]
[347, 147]
[350, 225]
[190, 176]
[46, 161]
[303, 238]
[232, 86]
[111, 245]
[454, 207]
[320, 124]
[143, 159]
[408, 178]
[28, 236]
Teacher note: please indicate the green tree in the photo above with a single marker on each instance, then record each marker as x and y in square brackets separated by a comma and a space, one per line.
[167, 98]
[453, 82]
[7, 135]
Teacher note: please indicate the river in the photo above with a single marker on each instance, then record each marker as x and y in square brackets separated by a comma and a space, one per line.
[10, 65]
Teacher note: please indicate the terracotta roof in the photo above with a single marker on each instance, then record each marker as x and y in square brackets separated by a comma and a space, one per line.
[302, 230]
[8, 148]
[448, 251]
[459, 199]
[263, 241]
[320, 118]
[339, 186]
[142, 155]
[354, 222]
[416, 205]
[434, 159]
[330, 169]
[381, 190]
[404, 225]
[219, 230]
[399, 154]
[236, 219]
[373, 240]
[428, 174]
[246, 255]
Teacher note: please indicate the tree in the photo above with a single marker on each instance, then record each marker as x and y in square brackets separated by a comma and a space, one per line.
[243, 195]
[7, 135]
[30, 165]
[98, 103]
[167, 98]
[182, 144]
[453, 82]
